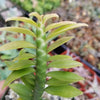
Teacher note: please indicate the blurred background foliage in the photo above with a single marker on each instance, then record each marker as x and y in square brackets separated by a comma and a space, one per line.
[40, 6]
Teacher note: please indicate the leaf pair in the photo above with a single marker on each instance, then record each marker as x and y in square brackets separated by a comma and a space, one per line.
[62, 61]
[59, 84]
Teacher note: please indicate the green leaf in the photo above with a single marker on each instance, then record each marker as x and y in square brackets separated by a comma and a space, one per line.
[24, 56]
[58, 57]
[29, 76]
[27, 83]
[16, 45]
[64, 28]
[49, 16]
[58, 43]
[23, 19]
[29, 80]
[19, 30]
[24, 92]
[64, 64]
[65, 76]
[21, 64]
[63, 91]
[59, 24]
[17, 74]
[36, 15]
[56, 82]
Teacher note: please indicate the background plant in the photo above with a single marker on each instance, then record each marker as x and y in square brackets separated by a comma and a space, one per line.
[39, 6]
[31, 68]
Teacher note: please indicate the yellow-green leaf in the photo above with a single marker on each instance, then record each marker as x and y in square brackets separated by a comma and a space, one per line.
[63, 91]
[21, 64]
[65, 76]
[22, 51]
[49, 16]
[17, 74]
[58, 43]
[24, 56]
[23, 19]
[58, 57]
[63, 63]
[16, 45]
[36, 15]
[19, 30]
[22, 90]
[64, 28]
[59, 24]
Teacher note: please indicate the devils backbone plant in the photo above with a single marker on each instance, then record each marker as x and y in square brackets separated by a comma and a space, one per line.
[33, 72]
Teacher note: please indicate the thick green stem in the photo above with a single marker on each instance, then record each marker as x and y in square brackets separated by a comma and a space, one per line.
[41, 62]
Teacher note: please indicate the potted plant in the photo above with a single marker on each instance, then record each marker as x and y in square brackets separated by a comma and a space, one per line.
[33, 72]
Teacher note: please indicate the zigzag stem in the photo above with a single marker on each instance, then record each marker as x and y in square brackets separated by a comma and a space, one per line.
[41, 62]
